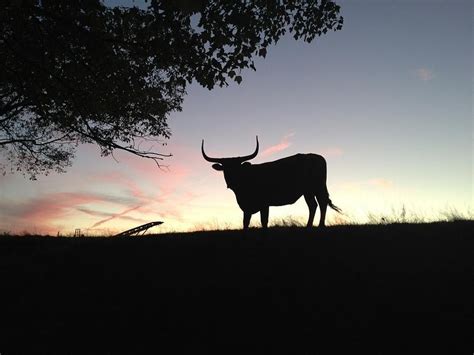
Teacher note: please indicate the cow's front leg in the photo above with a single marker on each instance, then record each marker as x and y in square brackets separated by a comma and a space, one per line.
[247, 217]
[264, 216]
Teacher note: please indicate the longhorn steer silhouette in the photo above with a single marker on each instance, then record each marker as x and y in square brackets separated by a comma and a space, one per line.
[277, 183]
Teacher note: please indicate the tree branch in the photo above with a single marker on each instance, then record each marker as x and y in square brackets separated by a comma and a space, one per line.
[111, 144]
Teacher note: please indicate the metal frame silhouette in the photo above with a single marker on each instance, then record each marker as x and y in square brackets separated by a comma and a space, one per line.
[143, 228]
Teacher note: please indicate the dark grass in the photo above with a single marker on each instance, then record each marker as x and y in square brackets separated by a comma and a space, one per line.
[384, 289]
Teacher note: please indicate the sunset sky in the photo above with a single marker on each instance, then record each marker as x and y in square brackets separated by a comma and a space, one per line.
[387, 100]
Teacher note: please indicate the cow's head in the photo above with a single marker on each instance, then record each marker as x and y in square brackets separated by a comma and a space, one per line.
[233, 168]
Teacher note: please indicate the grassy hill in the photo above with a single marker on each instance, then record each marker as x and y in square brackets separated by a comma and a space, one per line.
[382, 289]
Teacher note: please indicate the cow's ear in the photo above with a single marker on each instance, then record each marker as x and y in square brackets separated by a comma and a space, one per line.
[246, 164]
[218, 167]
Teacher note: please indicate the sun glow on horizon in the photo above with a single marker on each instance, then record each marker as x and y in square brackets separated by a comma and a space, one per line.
[191, 196]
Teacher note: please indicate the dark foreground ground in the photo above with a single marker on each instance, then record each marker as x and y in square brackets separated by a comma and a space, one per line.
[393, 289]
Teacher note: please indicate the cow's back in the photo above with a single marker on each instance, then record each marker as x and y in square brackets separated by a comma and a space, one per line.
[283, 181]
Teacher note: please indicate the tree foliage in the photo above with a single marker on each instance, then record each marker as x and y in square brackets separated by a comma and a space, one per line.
[76, 72]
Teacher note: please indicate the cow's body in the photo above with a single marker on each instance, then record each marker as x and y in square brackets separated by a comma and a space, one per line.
[276, 183]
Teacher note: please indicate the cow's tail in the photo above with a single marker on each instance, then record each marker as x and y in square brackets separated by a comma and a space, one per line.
[325, 192]
[333, 206]
[330, 204]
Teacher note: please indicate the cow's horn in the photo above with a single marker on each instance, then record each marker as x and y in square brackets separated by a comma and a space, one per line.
[209, 159]
[251, 156]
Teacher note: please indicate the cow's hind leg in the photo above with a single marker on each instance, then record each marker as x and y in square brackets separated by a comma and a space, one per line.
[312, 205]
[323, 199]
[247, 217]
[264, 216]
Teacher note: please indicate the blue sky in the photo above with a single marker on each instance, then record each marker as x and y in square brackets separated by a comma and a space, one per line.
[387, 100]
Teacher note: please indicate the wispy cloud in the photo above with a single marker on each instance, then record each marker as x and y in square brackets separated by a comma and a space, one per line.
[134, 193]
[46, 211]
[282, 145]
[369, 184]
[108, 215]
[122, 180]
[160, 193]
[57, 204]
[424, 74]
[113, 216]
[381, 183]
[332, 152]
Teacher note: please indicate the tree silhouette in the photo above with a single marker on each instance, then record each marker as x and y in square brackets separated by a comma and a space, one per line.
[75, 72]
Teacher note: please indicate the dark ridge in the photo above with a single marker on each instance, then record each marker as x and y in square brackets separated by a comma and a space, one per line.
[382, 289]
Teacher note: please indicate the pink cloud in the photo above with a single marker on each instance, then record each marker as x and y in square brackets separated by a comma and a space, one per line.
[121, 179]
[332, 152]
[165, 182]
[59, 204]
[41, 212]
[171, 194]
[137, 186]
[171, 175]
[424, 74]
[168, 187]
[381, 183]
[282, 145]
